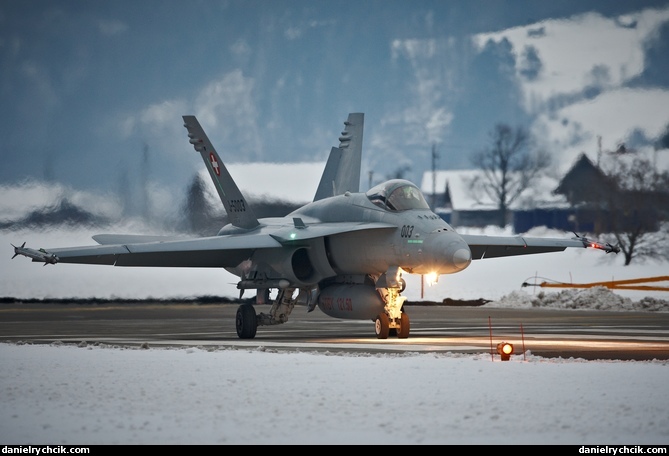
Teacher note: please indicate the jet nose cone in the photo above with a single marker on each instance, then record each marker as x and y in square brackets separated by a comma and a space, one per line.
[462, 257]
[458, 255]
[450, 254]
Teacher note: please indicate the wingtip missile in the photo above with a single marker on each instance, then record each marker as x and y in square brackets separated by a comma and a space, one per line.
[605, 246]
[16, 250]
[40, 255]
[608, 248]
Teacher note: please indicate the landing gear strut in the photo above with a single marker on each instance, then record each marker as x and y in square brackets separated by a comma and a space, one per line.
[247, 321]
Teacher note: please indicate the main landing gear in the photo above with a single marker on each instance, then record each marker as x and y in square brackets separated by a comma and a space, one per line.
[247, 322]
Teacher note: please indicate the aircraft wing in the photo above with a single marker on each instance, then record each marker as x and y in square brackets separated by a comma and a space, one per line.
[207, 252]
[483, 246]
[226, 251]
[229, 251]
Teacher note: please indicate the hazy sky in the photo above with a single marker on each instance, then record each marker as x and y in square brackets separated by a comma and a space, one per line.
[92, 93]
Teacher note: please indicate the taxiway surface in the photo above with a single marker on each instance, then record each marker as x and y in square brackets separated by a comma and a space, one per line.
[548, 333]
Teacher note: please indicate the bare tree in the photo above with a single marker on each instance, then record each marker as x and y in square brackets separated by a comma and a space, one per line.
[663, 140]
[638, 208]
[509, 166]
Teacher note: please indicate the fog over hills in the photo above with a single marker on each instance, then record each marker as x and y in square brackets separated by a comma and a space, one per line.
[89, 103]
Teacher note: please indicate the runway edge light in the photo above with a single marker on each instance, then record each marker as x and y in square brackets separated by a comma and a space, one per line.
[505, 350]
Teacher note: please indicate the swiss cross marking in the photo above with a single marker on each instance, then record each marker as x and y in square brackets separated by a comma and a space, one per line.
[214, 163]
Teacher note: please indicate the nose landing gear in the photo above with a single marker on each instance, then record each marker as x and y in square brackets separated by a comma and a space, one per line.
[394, 321]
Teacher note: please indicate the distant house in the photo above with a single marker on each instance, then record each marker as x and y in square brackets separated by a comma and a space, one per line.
[453, 201]
[585, 186]
[568, 204]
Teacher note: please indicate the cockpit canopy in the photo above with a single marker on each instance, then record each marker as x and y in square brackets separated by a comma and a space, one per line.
[397, 195]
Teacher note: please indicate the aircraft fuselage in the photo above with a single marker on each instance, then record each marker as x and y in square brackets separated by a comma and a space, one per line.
[421, 243]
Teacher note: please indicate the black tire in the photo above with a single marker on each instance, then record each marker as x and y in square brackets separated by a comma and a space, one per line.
[382, 326]
[246, 322]
[405, 327]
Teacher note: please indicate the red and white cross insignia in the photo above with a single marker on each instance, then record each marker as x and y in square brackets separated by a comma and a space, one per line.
[214, 164]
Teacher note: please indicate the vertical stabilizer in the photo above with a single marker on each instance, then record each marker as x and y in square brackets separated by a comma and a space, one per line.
[326, 187]
[239, 212]
[342, 170]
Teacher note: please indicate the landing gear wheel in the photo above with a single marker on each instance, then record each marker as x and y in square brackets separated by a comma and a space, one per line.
[404, 285]
[246, 322]
[382, 326]
[405, 326]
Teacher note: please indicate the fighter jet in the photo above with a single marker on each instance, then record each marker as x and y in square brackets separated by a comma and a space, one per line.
[345, 252]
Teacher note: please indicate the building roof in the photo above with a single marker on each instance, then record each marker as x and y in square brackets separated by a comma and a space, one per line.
[462, 198]
[584, 181]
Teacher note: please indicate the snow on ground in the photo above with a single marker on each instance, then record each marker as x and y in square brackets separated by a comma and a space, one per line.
[90, 395]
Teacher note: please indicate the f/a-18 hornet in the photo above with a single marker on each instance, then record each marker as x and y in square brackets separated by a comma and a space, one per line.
[345, 251]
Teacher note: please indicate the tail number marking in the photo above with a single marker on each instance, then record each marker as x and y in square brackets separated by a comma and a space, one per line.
[237, 205]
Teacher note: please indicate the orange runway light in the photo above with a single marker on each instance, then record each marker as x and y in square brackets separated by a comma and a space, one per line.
[505, 350]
